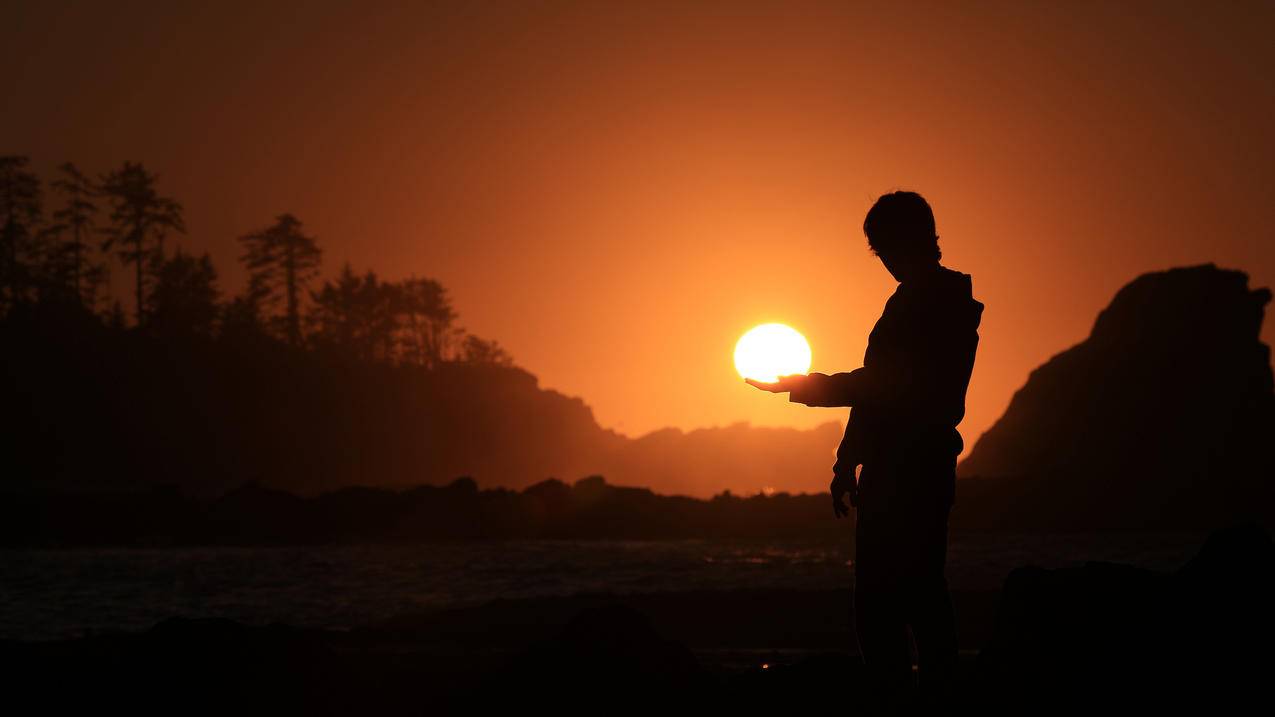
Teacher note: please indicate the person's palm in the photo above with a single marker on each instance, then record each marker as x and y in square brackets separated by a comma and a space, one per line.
[781, 385]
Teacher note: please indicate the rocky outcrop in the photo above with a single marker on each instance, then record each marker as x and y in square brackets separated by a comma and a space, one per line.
[1164, 417]
[1115, 634]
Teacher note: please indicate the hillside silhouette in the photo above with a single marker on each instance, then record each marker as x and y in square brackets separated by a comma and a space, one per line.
[99, 408]
[1163, 417]
[299, 382]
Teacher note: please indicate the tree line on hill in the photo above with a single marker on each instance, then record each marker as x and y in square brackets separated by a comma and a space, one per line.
[56, 256]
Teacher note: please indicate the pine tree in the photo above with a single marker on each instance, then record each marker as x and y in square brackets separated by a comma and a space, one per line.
[354, 316]
[139, 218]
[281, 261]
[76, 216]
[184, 300]
[426, 335]
[20, 214]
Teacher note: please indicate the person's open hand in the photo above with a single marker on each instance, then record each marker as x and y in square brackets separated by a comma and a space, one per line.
[781, 385]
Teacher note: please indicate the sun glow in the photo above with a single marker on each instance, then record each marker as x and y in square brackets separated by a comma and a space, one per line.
[769, 351]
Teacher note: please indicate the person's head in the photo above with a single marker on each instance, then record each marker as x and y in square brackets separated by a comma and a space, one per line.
[900, 231]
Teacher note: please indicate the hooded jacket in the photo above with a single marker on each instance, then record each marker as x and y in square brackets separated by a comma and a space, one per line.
[910, 394]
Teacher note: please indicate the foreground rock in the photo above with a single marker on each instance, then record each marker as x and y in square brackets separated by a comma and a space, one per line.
[1107, 632]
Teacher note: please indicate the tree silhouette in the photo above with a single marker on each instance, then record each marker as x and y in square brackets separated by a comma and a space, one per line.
[139, 215]
[20, 212]
[281, 261]
[476, 350]
[71, 262]
[424, 318]
[183, 301]
[241, 318]
[408, 322]
[115, 319]
[354, 315]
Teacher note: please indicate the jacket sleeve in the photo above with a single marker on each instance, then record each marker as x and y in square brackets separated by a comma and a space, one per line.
[850, 453]
[830, 391]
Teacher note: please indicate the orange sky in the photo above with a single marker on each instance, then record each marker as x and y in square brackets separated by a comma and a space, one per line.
[616, 193]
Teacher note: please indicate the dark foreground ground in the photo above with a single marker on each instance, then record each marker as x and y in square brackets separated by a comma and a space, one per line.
[708, 644]
[1102, 634]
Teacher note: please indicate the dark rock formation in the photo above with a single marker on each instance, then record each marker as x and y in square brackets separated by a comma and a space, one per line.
[1121, 635]
[1163, 418]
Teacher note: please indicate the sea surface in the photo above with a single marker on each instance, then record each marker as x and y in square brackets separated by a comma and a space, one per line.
[55, 593]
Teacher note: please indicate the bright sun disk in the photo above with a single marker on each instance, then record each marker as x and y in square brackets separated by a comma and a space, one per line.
[769, 351]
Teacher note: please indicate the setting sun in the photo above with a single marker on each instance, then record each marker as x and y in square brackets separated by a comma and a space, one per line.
[769, 351]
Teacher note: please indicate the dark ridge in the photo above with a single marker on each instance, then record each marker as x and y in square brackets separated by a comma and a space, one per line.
[257, 515]
[1163, 418]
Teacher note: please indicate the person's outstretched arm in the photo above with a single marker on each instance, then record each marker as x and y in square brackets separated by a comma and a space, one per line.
[838, 390]
[830, 391]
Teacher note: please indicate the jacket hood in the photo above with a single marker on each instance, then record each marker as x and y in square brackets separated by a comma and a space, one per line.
[953, 290]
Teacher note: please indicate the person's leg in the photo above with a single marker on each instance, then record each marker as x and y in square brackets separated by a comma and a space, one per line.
[883, 639]
[931, 615]
[879, 616]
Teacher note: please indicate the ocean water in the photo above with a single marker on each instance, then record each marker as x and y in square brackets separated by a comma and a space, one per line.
[51, 594]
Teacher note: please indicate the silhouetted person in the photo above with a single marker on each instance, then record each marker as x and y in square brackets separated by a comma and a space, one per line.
[906, 402]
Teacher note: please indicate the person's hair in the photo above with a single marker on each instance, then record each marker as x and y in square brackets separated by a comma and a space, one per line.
[902, 224]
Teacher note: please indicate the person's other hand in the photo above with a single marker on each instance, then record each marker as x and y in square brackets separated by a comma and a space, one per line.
[842, 486]
[782, 385]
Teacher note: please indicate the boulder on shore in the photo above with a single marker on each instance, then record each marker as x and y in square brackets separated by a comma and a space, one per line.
[1113, 632]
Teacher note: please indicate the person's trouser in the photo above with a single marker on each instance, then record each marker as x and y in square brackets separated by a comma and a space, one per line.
[900, 551]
